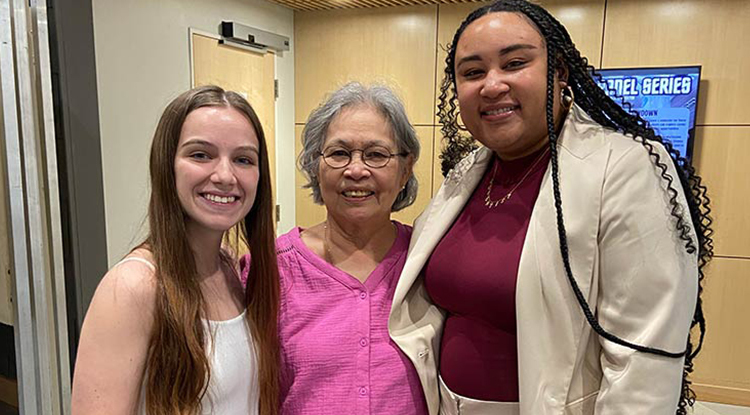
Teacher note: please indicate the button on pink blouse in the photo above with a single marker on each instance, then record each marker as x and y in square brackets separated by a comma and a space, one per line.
[337, 357]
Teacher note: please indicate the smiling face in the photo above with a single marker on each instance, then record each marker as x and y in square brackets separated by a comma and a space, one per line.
[216, 168]
[501, 83]
[358, 192]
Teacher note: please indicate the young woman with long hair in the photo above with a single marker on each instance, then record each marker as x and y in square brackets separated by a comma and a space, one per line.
[170, 329]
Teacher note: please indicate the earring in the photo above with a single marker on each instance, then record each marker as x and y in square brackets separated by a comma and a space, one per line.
[567, 97]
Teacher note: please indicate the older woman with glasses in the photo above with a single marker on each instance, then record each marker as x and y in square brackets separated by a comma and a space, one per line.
[338, 277]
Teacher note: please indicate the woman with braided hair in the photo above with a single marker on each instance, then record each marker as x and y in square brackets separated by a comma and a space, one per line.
[558, 268]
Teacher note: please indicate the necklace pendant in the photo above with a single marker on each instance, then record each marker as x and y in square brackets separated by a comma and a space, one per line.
[493, 203]
[506, 197]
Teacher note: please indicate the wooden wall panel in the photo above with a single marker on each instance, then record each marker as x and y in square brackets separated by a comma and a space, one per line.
[720, 158]
[423, 171]
[395, 46]
[584, 20]
[667, 33]
[306, 211]
[722, 370]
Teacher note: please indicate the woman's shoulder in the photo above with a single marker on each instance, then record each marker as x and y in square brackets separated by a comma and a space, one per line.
[132, 281]
[124, 301]
[115, 335]
[403, 238]
[582, 136]
[629, 153]
[404, 230]
[620, 146]
[284, 248]
[285, 242]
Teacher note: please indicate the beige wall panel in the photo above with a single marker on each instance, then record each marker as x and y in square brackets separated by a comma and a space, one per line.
[308, 213]
[710, 33]
[450, 17]
[423, 171]
[583, 19]
[720, 159]
[722, 370]
[394, 45]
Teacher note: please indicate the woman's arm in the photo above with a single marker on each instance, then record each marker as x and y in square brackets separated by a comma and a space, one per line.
[114, 342]
[647, 287]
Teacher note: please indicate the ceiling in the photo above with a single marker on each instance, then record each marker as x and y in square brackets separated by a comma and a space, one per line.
[307, 5]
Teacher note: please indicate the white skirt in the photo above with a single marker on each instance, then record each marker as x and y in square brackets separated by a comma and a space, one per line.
[454, 404]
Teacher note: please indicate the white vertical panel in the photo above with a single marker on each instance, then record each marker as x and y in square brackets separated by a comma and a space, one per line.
[33, 192]
[59, 324]
[24, 339]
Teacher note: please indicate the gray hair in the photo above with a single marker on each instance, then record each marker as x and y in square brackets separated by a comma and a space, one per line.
[352, 94]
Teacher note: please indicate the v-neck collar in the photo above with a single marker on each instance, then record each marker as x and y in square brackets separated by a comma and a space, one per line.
[391, 258]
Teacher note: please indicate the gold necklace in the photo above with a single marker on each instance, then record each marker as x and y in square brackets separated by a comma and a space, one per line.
[326, 245]
[493, 203]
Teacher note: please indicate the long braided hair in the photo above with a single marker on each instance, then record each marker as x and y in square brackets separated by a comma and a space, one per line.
[562, 53]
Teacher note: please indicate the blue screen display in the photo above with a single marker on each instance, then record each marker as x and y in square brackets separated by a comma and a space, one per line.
[665, 97]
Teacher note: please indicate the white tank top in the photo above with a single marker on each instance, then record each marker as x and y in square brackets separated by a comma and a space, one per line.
[233, 387]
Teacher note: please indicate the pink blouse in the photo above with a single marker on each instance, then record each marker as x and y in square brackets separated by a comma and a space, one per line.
[337, 357]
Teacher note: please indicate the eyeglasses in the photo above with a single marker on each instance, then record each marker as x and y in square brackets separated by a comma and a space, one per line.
[374, 156]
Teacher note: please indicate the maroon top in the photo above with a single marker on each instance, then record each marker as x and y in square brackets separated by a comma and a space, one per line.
[472, 275]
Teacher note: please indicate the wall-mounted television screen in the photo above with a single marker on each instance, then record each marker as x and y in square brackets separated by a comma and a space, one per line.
[665, 97]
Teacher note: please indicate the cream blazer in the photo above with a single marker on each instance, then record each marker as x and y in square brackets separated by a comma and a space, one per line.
[626, 257]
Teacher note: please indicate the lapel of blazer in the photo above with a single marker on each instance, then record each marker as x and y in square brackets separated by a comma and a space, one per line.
[439, 215]
[415, 324]
[549, 319]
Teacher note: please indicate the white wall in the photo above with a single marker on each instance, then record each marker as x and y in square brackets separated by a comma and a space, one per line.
[143, 61]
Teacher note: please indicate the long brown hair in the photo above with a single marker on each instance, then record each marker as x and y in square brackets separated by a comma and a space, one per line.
[177, 368]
